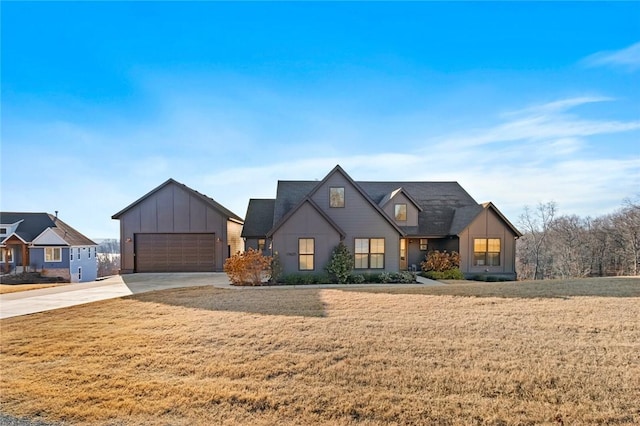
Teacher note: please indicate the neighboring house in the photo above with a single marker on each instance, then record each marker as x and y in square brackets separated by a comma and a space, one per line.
[174, 228]
[43, 242]
[387, 226]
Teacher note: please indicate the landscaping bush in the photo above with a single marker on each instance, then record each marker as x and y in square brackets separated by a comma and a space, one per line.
[440, 261]
[305, 279]
[356, 279]
[276, 269]
[247, 268]
[451, 274]
[404, 277]
[341, 264]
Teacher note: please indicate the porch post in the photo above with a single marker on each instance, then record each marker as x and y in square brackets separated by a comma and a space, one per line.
[25, 258]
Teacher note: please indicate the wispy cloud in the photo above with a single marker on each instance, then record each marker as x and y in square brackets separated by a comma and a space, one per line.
[627, 58]
[549, 121]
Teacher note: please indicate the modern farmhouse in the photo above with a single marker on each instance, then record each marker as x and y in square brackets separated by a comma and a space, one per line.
[174, 228]
[387, 226]
[42, 242]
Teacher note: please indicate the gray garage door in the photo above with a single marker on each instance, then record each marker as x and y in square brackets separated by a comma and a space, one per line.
[175, 252]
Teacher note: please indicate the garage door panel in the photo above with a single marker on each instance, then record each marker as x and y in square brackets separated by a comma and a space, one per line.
[175, 252]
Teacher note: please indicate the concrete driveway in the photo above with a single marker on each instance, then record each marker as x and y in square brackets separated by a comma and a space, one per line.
[46, 299]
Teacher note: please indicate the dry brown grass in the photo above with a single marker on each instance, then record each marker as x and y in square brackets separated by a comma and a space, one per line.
[14, 288]
[305, 356]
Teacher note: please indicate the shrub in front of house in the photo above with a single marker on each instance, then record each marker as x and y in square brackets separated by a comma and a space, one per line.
[442, 266]
[341, 264]
[451, 274]
[247, 268]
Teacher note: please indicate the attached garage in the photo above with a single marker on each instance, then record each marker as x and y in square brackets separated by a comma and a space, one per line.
[175, 252]
[174, 228]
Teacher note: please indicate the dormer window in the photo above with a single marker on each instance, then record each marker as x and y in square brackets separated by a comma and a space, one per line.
[3, 231]
[401, 212]
[336, 196]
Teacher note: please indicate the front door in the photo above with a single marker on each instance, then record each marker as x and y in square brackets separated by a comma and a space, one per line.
[403, 254]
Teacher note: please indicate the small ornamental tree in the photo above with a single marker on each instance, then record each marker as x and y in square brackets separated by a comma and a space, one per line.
[247, 268]
[440, 261]
[276, 268]
[341, 264]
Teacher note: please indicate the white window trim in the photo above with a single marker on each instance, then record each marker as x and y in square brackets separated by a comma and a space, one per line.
[53, 260]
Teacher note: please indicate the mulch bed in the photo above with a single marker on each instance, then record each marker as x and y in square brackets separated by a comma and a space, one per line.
[29, 278]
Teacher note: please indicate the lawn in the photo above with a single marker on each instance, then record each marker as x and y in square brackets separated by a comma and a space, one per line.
[14, 288]
[329, 356]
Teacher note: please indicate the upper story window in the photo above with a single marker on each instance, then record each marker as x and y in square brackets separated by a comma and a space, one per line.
[401, 212]
[89, 253]
[70, 254]
[486, 251]
[3, 231]
[52, 254]
[336, 196]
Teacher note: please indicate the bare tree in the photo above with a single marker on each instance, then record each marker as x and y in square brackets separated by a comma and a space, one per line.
[537, 225]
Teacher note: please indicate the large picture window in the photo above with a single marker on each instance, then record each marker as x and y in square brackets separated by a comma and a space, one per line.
[52, 254]
[369, 253]
[336, 197]
[486, 252]
[306, 253]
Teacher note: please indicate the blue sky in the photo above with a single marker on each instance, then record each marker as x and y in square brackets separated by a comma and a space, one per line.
[519, 102]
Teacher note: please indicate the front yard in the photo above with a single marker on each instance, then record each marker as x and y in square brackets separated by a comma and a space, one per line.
[547, 353]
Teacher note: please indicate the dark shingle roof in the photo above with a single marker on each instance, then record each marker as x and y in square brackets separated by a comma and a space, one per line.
[34, 224]
[259, 218]
[447, 209]
[289, 194]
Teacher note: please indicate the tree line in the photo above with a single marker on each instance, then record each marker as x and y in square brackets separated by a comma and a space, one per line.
[568, 246]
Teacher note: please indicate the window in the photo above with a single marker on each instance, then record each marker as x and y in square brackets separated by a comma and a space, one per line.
[89, 254]
[79, 273]
[6, 255]
[78, 253]
[423, 244]
[401, 212]
[306, 251]
[486, 252]
[3, 231]
[261, 244]
[369, 253]
[52, 254]
[336, 197]
[71, 254]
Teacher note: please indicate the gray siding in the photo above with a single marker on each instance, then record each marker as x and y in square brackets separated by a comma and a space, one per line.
[359, 219]
[306, 222]
[172, 209]
[488, 225]
[412, 211]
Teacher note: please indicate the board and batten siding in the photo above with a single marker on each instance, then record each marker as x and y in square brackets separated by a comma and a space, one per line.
[412, 211]
[306, 222]
[359, 219]
[488, 225]
[171, 209]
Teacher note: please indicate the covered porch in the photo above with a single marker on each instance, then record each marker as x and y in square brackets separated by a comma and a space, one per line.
[14, 257]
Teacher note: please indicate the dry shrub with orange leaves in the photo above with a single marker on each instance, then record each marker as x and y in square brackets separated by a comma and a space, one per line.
[247, 268]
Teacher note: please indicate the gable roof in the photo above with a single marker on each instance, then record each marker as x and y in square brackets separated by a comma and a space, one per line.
[316, 208]
[207, 200]
[259, 218]
[32, 225]
[445, 208]
[296, 190]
